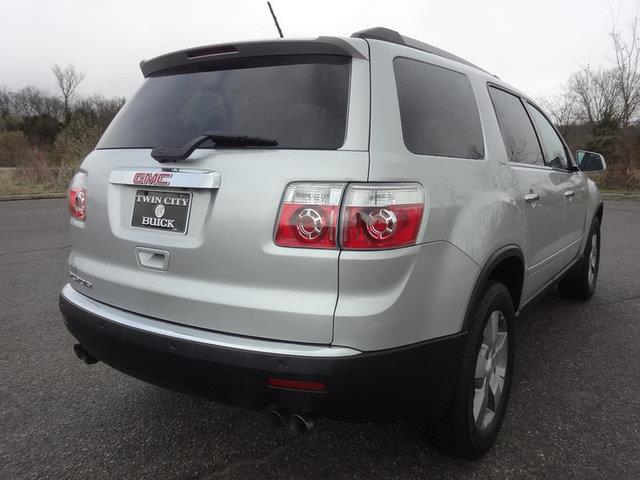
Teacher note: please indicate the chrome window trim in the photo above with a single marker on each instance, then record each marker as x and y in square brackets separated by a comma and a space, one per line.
[538, 167]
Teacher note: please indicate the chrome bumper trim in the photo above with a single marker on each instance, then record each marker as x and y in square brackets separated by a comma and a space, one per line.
[183, 332]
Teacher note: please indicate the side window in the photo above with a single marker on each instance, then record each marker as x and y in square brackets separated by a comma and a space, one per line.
[554, 152]
[517, 131]
[438, 111]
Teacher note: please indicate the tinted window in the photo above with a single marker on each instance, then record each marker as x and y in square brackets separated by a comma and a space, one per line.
[299, 101]
[554, 152]
[438, 111]
[517, 131]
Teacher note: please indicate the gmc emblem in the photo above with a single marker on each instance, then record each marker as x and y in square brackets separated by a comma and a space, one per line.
[142, 178]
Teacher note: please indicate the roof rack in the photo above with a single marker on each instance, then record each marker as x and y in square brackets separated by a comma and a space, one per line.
[391, 36]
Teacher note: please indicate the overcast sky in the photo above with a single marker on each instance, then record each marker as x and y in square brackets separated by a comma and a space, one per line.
[532, 44]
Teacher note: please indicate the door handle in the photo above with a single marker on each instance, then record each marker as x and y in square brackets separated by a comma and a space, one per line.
[531, 197]
[569, 193]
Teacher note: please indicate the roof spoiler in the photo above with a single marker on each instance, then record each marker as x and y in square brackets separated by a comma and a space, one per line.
[231, 51]
[391, 36]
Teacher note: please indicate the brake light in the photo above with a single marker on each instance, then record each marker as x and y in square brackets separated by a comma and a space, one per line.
[377, 216]
[78, 196]
[309, 215]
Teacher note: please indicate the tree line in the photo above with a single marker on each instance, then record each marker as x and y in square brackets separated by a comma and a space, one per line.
[47, 134]
[598, 109]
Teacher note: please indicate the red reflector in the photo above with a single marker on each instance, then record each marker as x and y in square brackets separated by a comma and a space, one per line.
[297, 385]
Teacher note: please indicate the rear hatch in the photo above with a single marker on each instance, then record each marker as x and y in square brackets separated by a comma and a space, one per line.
[191, 240]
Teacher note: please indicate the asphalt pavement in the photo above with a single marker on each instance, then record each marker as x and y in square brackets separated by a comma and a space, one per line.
[574, 411]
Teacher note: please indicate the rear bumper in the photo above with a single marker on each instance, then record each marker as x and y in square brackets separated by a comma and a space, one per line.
[407, 382]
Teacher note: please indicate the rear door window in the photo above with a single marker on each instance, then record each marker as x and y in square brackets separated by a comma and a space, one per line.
[519, 137]
[438, 110]
[301, 101]
[554, 152]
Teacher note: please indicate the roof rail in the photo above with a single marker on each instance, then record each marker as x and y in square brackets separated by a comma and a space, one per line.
[391, 36]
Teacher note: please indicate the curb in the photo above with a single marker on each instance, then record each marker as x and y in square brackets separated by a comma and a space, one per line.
[35, 196]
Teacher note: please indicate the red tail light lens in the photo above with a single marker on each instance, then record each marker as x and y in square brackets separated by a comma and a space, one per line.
[78, 196]
[309, 215]
[378, 216]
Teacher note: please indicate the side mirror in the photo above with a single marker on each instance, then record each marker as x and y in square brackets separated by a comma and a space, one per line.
[590, 161]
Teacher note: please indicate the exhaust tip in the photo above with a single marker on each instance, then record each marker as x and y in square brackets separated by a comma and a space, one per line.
[279, 416]
[84, 355]
[301, 423]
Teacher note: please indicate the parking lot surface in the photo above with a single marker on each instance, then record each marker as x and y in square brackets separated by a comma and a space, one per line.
[574, 412]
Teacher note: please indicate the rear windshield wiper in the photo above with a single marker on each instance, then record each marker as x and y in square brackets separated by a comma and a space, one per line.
[171, 154]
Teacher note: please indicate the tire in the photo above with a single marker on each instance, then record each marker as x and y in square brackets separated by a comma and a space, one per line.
[581, 283]
[471, 430]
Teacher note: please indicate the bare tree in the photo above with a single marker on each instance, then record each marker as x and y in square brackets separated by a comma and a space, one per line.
[561, 108]
[67, 81]
[597, 96]
[627, 68]
[5, 101]
[32, 102]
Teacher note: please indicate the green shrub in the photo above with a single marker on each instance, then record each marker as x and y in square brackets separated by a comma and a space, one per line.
[74, 143]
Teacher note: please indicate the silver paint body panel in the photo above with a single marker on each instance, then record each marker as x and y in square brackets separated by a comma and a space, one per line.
[180, 332]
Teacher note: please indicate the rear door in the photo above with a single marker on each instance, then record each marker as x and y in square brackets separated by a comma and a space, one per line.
[191, 241]
[541, 188]
[574, 185]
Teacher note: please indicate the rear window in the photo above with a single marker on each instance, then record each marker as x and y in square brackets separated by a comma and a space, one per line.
[301, 101]
[438, 111]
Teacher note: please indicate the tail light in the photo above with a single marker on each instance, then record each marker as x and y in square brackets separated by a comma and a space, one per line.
[309, 215]
[377, 216]
[78, 196]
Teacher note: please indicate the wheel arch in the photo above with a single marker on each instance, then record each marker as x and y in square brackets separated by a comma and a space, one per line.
[598, 213]
[505, 265]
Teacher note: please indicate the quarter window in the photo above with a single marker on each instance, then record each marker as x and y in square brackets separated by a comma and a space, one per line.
[554, 151]
[438, 111]
[518, 134]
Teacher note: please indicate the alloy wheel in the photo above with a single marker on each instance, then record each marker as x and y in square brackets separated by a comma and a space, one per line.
[491, 370]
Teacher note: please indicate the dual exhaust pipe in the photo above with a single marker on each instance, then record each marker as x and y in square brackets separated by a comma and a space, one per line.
[297, 423]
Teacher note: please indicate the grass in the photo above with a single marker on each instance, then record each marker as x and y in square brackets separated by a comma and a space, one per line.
[11, 185]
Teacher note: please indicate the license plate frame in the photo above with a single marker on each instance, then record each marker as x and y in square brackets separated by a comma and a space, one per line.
[177, 216]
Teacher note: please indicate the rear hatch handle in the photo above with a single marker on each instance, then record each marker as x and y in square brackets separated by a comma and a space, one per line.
[166, 177]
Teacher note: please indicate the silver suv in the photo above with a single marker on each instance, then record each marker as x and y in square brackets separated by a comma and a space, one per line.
[344, 227]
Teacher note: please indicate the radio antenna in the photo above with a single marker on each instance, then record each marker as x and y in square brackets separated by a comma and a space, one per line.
[275, 20]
